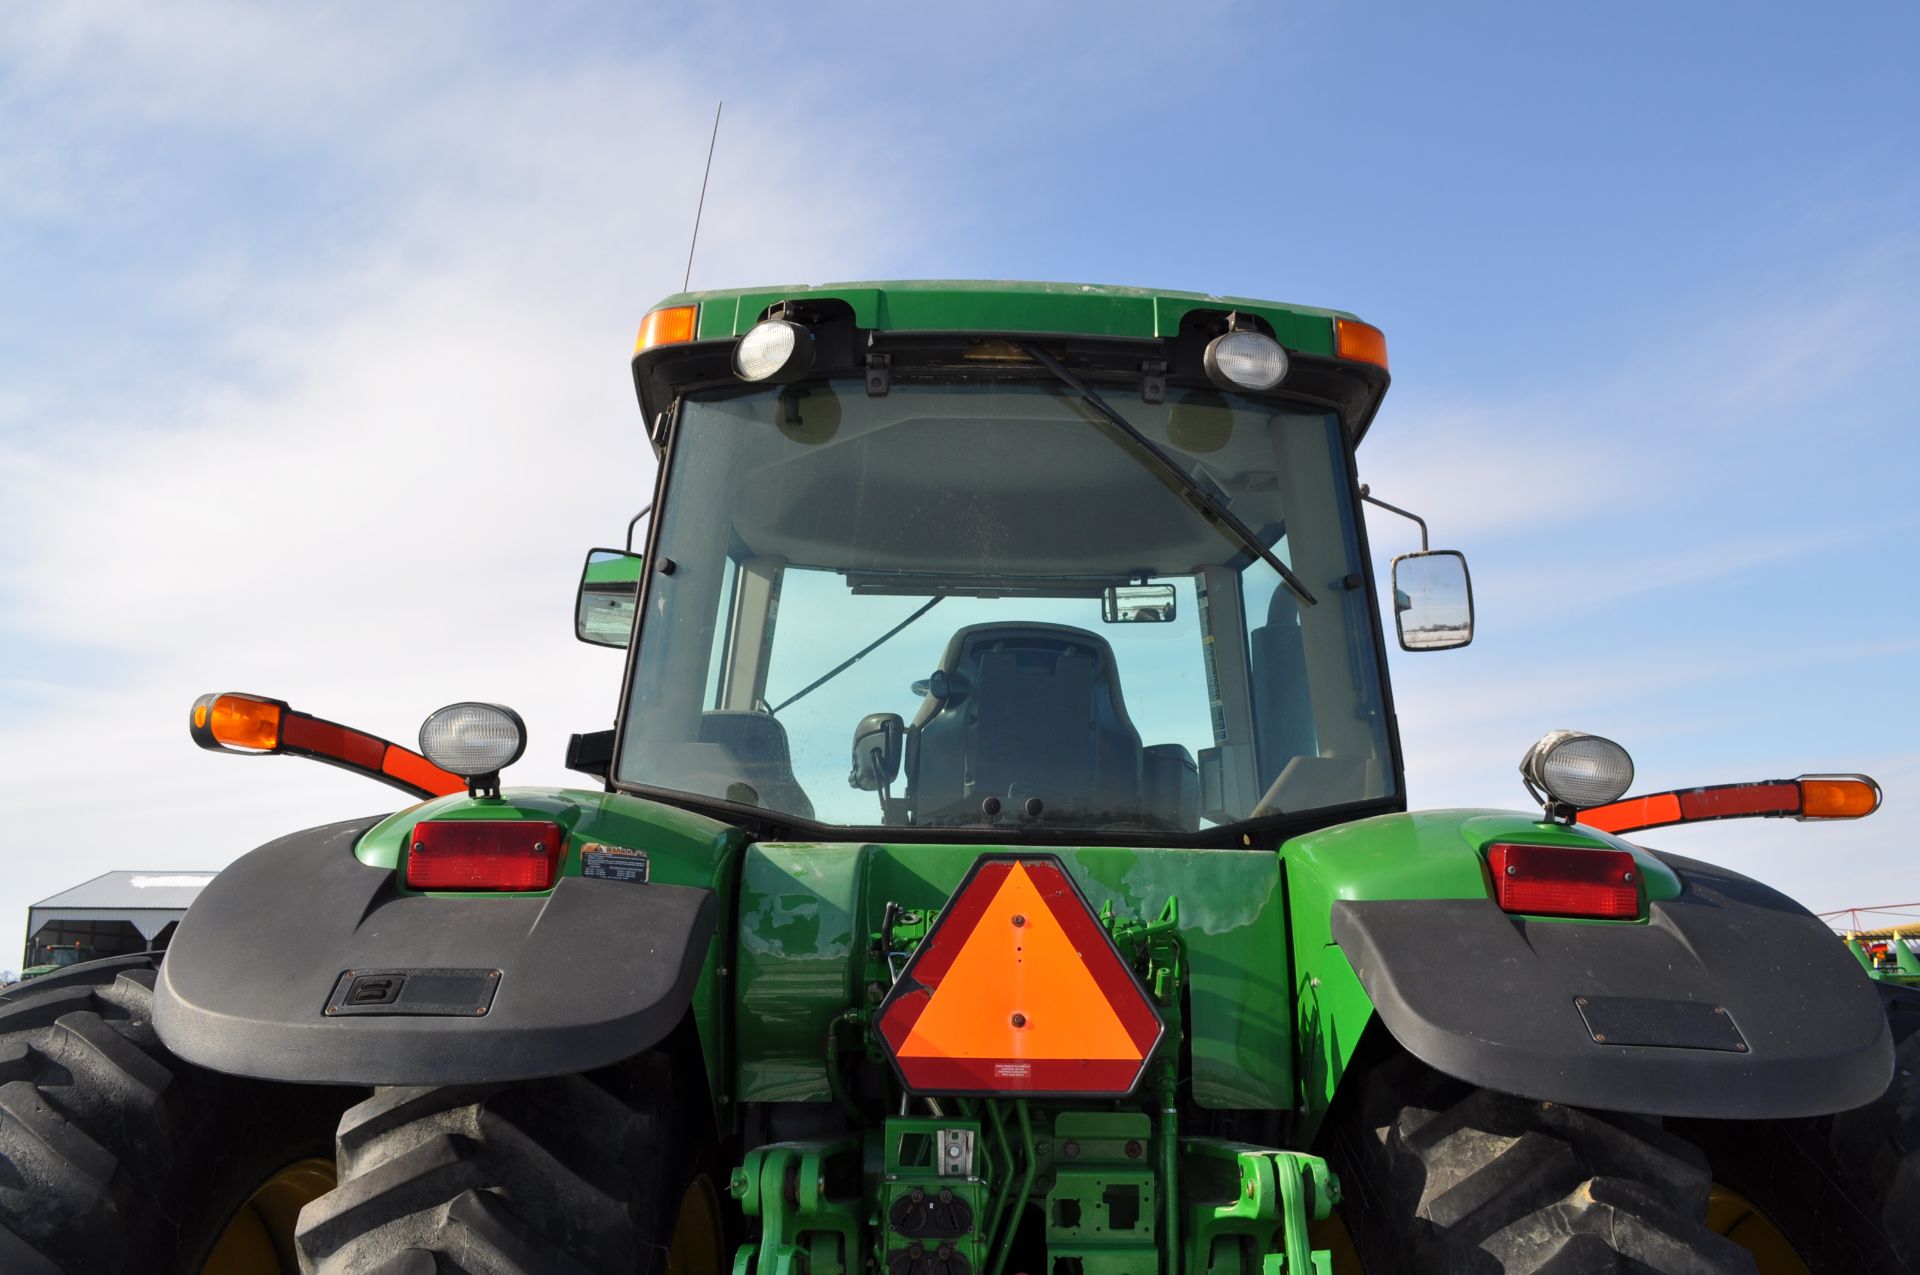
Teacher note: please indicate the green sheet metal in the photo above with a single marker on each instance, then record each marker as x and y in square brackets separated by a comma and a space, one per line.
[807, 912]
[943, 305]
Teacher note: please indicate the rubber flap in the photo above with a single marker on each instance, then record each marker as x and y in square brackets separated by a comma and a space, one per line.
[1497, 1000]
[593, 973]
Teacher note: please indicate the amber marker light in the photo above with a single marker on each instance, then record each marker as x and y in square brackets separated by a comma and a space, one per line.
[1359, 341]
[1808, 797]
[1838, 796]
[255, 726]
[246, 723]
[670, 326]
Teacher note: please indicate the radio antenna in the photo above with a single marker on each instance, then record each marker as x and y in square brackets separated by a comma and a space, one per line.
[703, 194]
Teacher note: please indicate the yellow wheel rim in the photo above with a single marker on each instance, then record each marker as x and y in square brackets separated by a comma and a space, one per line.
[259, 1238]
[1332, 1235]
[697, 1238]
[1733, 1215]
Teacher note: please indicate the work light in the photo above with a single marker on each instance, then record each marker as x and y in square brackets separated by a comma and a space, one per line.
[775, 350]
[474, 741]
[1576, 769]
[1245, 360]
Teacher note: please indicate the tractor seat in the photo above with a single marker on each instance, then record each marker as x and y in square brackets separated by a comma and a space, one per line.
[1029, 710]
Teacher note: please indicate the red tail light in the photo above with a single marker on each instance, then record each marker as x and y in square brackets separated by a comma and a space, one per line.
[484, 854]
[1565, 881]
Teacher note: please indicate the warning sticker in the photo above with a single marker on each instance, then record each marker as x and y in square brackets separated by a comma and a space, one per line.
[612, 863]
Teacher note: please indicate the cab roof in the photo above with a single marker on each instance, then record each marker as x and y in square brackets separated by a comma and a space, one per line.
[946, 305]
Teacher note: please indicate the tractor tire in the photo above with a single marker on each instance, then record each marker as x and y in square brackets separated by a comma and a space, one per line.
[575, 1175]
[1844, 1190]
[1441, 1178]
[116, 1156]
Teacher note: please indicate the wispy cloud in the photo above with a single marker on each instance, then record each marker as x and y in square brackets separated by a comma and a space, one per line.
[373, 493]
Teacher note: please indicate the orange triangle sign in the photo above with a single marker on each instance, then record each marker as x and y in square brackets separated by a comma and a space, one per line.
[1018, 989]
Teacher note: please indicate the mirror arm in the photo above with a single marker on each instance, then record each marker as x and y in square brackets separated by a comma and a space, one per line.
[635, 522]
[1367, 495]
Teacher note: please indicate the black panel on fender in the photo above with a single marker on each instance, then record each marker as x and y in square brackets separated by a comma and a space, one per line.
[593, 973]
[1759, 1011]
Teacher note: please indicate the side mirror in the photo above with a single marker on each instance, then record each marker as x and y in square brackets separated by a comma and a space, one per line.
[1137, 603]
[1432, 600]
[609, 595]
[878, 743]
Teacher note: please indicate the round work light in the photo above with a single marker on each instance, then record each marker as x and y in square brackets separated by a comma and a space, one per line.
[1576, 769]
[774, 350]
[474, 741]
[1245, 360]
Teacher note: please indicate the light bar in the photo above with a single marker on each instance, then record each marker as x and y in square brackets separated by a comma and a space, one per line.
[1808, 797]
[1565, 881]
[484, 854]
[673, 325]
[255, 725]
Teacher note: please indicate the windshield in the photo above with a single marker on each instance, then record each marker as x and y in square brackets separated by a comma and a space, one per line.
[1019, 618]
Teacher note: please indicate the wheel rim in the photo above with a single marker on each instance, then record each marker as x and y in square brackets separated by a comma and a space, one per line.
[258, 1240]
[1737, 1218]
[696, 1231]
[1333, 1236]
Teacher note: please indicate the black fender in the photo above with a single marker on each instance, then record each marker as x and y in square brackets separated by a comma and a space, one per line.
[511, 987]
[1731, 1002]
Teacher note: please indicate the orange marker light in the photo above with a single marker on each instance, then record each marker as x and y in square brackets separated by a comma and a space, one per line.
[1838, 797]
[1018, 989]
[670, 326]
[240, 721]
[1808, 797]
[1362, 342]
[227, 722]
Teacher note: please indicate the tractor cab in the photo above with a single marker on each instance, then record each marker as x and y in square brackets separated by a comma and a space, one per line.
[993, 582]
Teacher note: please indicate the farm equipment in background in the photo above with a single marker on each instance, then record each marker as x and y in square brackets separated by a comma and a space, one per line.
[1082, 929]
[57, 956]
[1885, 950]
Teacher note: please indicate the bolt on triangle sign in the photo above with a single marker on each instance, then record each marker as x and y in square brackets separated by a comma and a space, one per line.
[1019, 990]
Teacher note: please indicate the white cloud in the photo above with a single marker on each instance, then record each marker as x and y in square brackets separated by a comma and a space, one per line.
[374, 495]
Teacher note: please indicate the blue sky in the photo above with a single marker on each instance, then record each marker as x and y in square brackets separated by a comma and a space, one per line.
[312, 356]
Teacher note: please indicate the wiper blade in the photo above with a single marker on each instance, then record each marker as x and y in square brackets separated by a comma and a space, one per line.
[1209, 504]
[854, 659]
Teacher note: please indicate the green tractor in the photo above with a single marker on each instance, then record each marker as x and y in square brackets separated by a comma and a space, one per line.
[1000, 864]
[57, 956]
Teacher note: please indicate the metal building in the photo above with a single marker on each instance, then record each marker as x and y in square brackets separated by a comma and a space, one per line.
[113, 914]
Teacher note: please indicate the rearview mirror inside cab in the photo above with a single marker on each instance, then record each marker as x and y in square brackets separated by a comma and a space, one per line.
[1137, 604]
[609, 589]
[1432, 600]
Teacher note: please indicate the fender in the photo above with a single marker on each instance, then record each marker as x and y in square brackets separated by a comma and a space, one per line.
[507, 987]
[1728, 1001]
[1731, 1002]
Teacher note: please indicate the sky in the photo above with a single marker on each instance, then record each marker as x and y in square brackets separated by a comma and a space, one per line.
[314, 328]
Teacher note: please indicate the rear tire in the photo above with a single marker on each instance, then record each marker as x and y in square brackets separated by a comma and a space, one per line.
[1441, 1178]
[116, 1156]
[583, 1174]
[1843, 1189]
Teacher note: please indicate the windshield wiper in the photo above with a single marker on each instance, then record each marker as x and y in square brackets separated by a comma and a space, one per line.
[1208, 504]
[854, 659]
